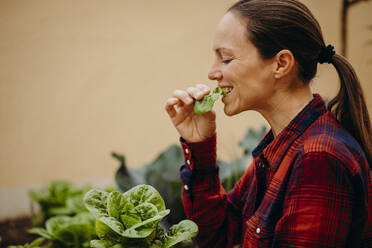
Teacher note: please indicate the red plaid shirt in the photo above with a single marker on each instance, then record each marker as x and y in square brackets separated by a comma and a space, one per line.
[308, 187]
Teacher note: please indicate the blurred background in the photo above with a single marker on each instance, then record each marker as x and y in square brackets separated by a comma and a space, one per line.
[82, 78]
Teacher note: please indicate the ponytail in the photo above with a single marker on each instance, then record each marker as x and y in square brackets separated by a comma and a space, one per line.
[349, 106]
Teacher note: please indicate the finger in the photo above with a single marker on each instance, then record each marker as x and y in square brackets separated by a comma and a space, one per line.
[195, 93]
[203, 88]
[183, 96]
[169, 106]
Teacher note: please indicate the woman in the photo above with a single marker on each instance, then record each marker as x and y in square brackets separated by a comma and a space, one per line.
[309, 180]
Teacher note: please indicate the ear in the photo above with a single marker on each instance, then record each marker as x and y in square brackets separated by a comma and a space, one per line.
[284, 63]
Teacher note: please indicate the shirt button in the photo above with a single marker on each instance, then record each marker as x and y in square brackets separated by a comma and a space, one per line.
[258, 230]
[187, 151]
[188, 162]
[186, 187]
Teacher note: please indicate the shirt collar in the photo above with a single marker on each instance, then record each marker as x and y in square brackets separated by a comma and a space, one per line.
[272, 149]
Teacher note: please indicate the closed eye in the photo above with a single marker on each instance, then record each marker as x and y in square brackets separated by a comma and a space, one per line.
[226, 61]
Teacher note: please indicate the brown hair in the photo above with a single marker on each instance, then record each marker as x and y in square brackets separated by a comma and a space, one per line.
[273, 25]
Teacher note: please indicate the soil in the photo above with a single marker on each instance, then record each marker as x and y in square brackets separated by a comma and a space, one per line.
[14, 231]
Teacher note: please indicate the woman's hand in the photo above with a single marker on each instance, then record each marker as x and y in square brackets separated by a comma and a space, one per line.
[191, 127]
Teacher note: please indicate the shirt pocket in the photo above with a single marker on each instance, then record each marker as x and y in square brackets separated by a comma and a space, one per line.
[257, 233]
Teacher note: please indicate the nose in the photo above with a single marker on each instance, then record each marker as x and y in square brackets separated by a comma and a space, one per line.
[214, 74]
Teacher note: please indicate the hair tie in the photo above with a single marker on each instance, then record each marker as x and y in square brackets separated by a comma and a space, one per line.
[326, 54]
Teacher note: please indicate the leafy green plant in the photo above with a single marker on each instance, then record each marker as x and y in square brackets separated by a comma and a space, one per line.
[37, 243]
[132, 219]
[57, 198]
[66, 231]
[206, 103]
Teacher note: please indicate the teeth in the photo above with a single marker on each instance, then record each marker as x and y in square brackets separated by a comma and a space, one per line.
[227, 90]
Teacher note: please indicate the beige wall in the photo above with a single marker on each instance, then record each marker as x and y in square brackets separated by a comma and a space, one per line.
[82, 78]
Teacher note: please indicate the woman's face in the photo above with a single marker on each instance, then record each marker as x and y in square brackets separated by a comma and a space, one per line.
[239, 67]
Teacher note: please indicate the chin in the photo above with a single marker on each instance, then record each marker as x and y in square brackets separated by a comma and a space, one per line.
[230, 112]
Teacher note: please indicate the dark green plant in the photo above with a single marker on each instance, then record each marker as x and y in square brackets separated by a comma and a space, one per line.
[251, 139]
[126, 178]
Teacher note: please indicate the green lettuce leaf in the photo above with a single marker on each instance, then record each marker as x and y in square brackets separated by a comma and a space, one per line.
[41, 232]
[132, 219]
[114, 224]
[57, 198]
[145, 193]
[184, 230]
[117, 204]
[145, 228]
[206, 103]
[105, 232]
[145, 210]
[95, 201]
[104, 244]
[76, 203]
[74, 231]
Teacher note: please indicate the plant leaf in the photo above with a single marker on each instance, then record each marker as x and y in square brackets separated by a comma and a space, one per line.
[184, 230]
[114, 224]
[104, 244]
[117, 204]
[76, 203]
[95, 201]
[145, 210]
[64, 210]
[41, 232]
[145, 228]
[130, 220]
[69, 230]
[145, 193]
[37, 242]
[105, 232]
[55, 223]
[206, 103]
[74, 233]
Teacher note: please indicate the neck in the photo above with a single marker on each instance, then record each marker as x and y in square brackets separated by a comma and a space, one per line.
[284, 106]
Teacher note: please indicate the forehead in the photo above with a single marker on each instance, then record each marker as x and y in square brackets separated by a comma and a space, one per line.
[230, 33]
